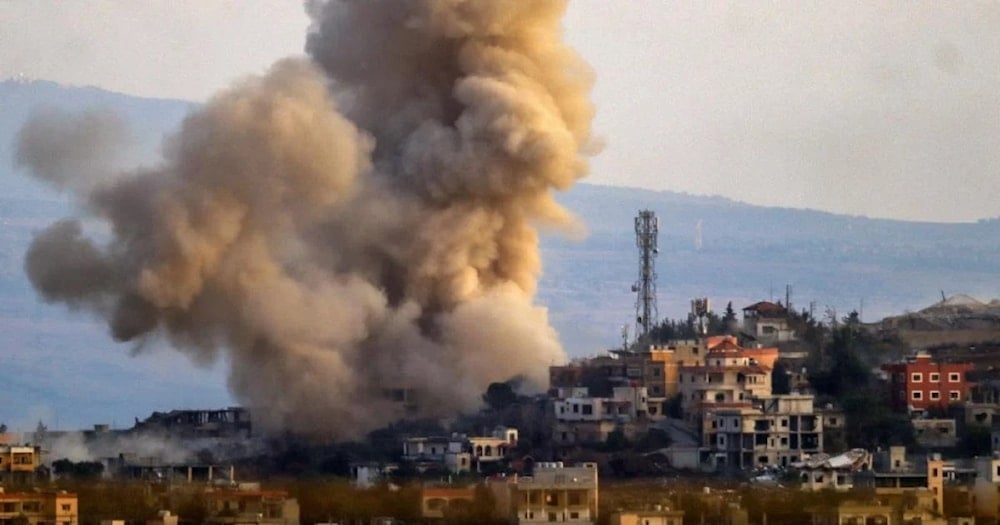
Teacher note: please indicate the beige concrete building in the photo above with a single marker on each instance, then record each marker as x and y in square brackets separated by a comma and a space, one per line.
[248, 504]
[769, 431]
[729, 375]
[557, 494]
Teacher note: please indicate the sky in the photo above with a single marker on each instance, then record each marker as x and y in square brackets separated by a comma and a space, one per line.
[883, 109]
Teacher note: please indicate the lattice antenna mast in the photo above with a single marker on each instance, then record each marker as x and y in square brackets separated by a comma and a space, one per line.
[647, 228]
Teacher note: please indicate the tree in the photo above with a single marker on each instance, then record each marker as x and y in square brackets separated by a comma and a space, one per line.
[729, 320]
[976, 441]
[674, 407]
[499, 396]
[780, 383]
[80, 471]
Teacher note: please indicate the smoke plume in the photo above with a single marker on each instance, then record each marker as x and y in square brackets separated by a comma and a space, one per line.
[351, 225]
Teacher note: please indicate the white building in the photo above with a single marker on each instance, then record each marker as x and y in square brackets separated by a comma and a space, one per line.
[626, 404]
[459, 452]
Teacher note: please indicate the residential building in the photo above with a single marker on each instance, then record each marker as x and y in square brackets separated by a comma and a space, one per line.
[920, 383]
[729, 375]
[935, 433]
[624, 405]
[249, 504]
[655, 367]
[39, 507]
[440, 502]
[18, 463]
[580, 419]
[825, 472]
[767, 323]
[766, 431]
[459, 452]
[557, 493]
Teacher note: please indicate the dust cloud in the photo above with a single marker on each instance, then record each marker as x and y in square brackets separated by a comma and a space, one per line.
[346, 227]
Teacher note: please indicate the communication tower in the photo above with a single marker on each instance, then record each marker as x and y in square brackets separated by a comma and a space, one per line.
[647, 227]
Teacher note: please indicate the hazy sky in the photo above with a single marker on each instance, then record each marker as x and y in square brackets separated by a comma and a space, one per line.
[886, 109]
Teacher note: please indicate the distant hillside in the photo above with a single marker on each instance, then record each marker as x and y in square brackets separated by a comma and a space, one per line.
[747, 253]
[750, 253]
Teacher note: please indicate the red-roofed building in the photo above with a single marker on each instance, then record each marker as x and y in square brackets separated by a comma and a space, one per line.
[767, 323]
[730, 374]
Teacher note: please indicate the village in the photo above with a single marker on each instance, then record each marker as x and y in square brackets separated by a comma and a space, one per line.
[705, 429]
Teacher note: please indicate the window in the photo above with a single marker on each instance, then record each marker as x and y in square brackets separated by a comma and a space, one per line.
[916, 377]
[954, 377]
[575, 498]
[955, 395]
[588, 410]
[935, 395]
[934, 377]
[917, 395]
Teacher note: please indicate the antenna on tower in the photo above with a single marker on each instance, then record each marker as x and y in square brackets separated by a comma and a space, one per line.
[647, 228]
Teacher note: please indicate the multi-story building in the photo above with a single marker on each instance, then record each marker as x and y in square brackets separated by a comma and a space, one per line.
[920, 383]
[655, 367]
[729, 376]
[580, 419]
[556, 493]
[769, 431]
[249, 504]
[39, 508]
[625, 404]
[18, 463]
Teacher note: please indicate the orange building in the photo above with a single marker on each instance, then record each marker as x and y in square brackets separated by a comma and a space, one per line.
[18, 463]
[39, 508]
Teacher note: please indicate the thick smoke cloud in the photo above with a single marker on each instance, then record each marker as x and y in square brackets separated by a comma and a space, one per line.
[352, 225]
